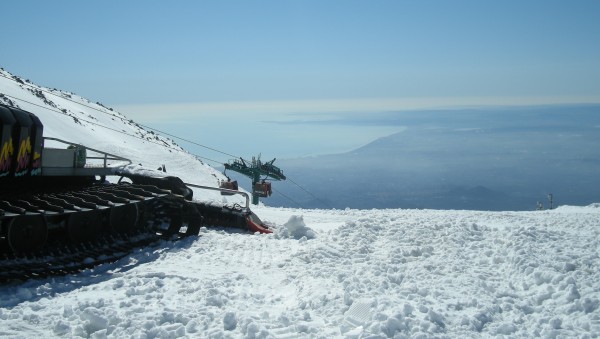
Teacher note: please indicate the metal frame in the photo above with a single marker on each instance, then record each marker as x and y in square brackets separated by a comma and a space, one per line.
[246, 195]
[85, 171]
[254, 171]
[56, 171]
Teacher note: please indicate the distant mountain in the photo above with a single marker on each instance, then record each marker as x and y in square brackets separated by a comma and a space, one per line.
[492, 159]
[500, 159]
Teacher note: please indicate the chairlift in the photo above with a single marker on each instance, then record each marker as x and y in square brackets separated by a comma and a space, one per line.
[230, 185]
[262, 189]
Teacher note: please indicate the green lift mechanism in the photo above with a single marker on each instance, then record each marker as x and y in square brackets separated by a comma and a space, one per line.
[258, 172]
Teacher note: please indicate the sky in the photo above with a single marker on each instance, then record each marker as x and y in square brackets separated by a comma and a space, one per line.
[228, 70]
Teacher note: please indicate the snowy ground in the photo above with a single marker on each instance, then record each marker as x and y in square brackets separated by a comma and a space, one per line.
[337, 273]
[322, 274]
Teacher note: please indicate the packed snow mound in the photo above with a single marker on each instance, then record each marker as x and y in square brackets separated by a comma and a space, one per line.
[296, 228]
[589, 208]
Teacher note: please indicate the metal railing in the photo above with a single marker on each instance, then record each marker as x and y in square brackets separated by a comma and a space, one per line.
[224, 190]
[105, 156]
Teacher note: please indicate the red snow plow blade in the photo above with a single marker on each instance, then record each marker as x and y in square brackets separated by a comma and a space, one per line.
[235, 216]
[256, 225]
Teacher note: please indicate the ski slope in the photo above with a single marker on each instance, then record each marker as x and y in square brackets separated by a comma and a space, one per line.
[72, 118]
[322, 273]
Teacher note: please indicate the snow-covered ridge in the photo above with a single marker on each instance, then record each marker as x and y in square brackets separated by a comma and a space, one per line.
[70, 117]
[86, 116]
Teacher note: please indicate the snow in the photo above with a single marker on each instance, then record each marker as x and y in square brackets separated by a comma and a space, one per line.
[323, 273]
[379, 272]
[296, 228]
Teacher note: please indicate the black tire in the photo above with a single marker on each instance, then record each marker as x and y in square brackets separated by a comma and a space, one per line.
[27, 233]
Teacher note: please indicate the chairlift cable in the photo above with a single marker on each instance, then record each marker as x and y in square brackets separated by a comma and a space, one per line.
[290, 199]
[144, 126]
[113, 115]
[190, 141]
[114, 130]
[309, 193]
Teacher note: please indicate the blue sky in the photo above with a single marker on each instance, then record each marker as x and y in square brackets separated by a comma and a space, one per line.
[202, 67]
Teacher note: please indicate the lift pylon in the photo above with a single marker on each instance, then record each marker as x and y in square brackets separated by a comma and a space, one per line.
[259, 172]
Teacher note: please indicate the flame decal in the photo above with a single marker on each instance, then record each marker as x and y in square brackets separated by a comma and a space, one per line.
[6, 154]
[23, 157]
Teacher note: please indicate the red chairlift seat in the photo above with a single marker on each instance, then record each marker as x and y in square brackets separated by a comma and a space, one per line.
[263, 189]
[230, 185]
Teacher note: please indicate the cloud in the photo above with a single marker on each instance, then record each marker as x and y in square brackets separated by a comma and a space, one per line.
[320, 110]
[310, 127]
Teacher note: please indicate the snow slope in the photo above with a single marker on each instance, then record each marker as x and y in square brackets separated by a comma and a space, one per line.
[70, 117]
[328, 274]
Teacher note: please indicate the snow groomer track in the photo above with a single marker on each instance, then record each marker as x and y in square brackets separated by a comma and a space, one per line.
[65, 232]
[59, 214]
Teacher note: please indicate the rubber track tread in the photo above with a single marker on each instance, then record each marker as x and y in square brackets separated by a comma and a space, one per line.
[59, 258]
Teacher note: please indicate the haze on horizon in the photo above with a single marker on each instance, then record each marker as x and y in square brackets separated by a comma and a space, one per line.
[242, 76]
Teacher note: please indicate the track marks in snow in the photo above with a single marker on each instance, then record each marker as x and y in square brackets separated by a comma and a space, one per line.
[473, 272]
[380, 273]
